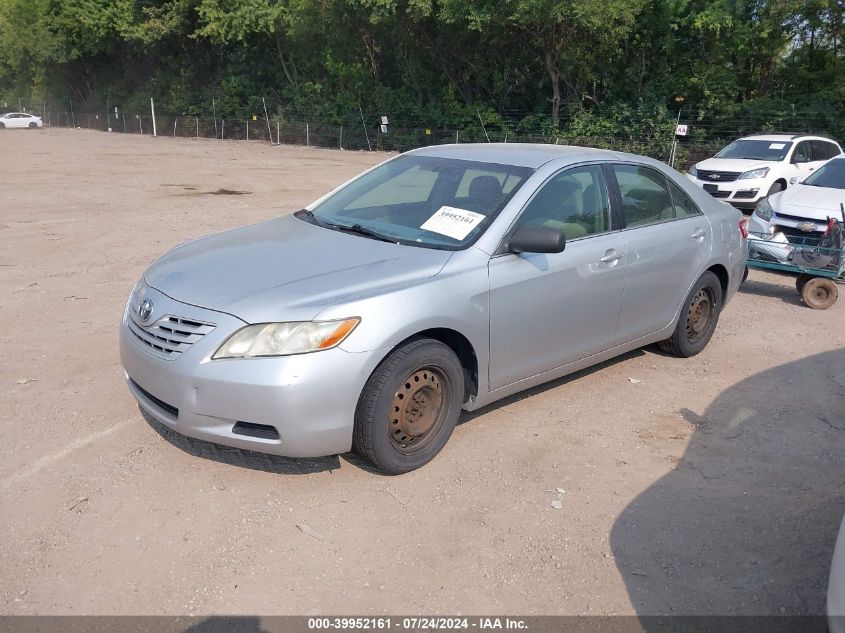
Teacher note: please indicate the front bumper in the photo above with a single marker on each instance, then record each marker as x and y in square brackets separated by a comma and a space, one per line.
[791, 225]
[309, 399]
[743, 194]
[836, 586]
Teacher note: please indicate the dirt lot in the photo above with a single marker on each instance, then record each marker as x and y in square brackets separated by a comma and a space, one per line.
[713, 485]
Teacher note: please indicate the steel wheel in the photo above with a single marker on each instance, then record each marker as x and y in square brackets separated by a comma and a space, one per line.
[417, 411]
[698, 315]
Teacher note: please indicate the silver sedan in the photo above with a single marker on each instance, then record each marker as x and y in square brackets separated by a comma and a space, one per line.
[443, 279]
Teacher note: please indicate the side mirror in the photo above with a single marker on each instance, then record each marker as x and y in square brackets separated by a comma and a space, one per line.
[800, 160]
[793, 180]
[537, 239]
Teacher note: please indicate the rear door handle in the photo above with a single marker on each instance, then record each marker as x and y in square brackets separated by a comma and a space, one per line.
[612, 257]
[698, 234]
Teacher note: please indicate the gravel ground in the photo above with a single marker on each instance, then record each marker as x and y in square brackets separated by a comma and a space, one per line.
[712, 485]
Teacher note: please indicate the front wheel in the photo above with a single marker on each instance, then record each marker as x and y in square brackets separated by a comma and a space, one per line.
[409, 406]
[33, 125]
[699, 316]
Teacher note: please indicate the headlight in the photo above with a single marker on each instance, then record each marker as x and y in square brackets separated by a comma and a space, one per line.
[693, 172]
[282, 339]
[755, 173]
[764, 210]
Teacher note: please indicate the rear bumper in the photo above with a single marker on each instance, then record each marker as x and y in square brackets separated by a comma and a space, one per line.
[308, 399]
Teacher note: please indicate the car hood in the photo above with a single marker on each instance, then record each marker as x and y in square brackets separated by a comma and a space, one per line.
[806, 201]
[733, 164]
[286, 270]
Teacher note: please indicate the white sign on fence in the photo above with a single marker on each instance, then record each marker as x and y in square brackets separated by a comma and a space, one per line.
[681, 130]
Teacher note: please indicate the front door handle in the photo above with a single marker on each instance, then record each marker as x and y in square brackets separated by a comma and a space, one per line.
[698, 234]
[612, 257]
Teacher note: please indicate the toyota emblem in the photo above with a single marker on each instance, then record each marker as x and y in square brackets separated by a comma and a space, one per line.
[145, 311]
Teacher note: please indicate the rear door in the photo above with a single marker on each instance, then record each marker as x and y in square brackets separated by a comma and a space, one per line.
[667, 245]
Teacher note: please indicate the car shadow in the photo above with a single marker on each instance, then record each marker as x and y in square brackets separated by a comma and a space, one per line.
[784, 290]
[469, 416]
[240, 457]
[745, 523]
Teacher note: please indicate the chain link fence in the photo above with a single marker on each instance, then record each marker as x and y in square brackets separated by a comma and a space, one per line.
[356, 136]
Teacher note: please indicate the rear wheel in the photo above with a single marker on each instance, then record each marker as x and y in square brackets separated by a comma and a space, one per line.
[699, 316]
[2, 125]
[409, 406]
[819, 293]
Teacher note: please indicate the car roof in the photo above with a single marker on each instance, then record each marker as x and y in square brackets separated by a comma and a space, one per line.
[531, 155]
[784, 137]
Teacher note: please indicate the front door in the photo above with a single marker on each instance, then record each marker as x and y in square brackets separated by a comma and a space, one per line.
[547, 310]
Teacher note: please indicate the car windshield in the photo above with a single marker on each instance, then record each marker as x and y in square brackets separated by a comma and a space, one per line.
[830, 175]
[756, 150]
[422, 201]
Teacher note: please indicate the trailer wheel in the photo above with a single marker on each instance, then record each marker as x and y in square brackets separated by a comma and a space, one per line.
[801, 282]
[819, 293]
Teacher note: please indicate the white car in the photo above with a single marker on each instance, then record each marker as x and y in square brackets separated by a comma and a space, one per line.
[754, 167]
[836, 586]
[805, 207]
[20, 119]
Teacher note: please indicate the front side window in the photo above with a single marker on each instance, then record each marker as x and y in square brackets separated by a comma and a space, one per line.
[756, 150]
[802, 153]
[645, 198]
[423, 201]
[575, 202]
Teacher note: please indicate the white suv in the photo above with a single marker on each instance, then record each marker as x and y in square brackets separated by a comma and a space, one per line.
[754, 167]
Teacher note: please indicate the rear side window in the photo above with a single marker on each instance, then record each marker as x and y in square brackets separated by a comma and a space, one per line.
[645, 196]
[822, 150]
[684, 207]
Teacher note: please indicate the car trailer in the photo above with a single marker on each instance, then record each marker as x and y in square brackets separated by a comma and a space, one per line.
[815, 262]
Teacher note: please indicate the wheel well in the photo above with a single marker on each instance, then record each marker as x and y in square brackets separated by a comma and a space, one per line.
[463, 350]
[722, 273]
[783, 182]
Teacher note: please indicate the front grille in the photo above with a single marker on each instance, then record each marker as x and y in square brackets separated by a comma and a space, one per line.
[798, 218]
[719, 194]
[718, 176]
[160, 403]
[747, 193]
[170, 336]
[791, 231]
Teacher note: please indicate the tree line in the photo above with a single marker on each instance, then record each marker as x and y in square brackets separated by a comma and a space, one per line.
[590, 67]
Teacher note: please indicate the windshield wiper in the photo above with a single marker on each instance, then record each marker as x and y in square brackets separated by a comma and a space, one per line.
[355, 228]
[362, 230]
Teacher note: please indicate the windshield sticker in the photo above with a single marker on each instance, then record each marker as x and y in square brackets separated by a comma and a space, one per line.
[777, 145]
[453, 222]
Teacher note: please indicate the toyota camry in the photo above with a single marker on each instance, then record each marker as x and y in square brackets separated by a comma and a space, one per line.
[443, 279]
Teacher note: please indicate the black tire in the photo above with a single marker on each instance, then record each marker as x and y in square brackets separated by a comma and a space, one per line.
[744, 275]
[820, 293]
[698, 320]
[801, 281]
[2, 126]
[776, 188]
[431, 376]
[33, 125]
